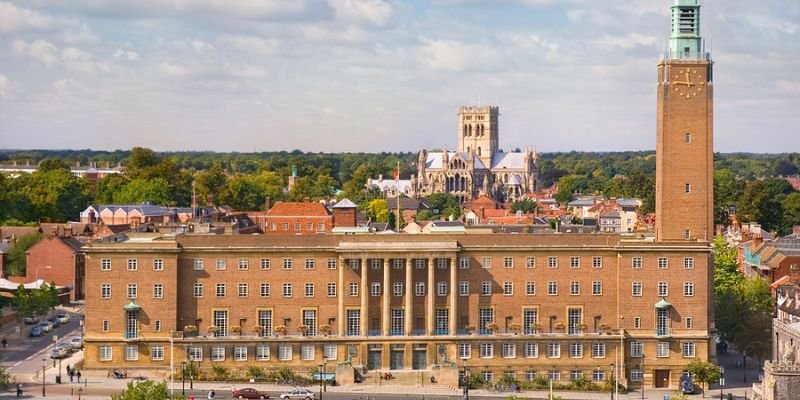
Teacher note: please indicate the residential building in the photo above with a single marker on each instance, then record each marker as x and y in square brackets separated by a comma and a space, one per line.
[296, 218]
[56, 259]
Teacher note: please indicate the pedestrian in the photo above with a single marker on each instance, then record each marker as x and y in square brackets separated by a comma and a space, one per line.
[19, 390]
[71, 374]
[68, 369]
[78, 374]
[5, 342]
[212, 394]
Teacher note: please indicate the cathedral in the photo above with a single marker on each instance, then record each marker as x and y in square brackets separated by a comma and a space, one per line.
[478, 167]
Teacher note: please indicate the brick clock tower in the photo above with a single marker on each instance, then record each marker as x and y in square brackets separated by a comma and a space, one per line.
[684, 133]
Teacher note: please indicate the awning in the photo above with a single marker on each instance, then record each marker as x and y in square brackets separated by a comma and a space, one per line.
[132, 306]
[663, 304]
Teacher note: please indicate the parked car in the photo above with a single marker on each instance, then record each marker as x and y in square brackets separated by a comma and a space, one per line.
[687, 386]
[76, 343]
[36, 331]
[30, 320]
[249, 393]
[62, 318]
[303, 394]
[59, 351]
[46, 326]
[53, 320]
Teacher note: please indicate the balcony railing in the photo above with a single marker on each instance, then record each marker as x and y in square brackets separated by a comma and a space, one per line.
[663, 331]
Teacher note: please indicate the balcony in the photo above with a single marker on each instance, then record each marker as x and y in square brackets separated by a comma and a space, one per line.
[663, 332]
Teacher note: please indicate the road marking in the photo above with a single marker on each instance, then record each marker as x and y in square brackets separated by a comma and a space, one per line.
[18, 363]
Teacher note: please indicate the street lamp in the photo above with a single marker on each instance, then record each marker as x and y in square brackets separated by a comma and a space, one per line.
[325, 381]
[721, 379]
[642, 375]
[466, 380]
[44, 367]
[183, 378]
[613, 379]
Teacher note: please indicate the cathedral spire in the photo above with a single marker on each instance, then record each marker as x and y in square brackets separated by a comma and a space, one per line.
[685, 41]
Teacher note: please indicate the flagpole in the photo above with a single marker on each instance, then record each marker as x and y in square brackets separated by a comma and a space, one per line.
[397, 184]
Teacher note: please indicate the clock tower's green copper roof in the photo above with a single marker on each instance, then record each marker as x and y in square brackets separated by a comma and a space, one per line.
[685, 42]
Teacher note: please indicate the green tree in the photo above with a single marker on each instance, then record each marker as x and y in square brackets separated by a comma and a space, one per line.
[53, 164]
[5, 378]
[210, 182]
[527, 206]
[570, 184]
[56, 195]
[444, 205]
[378, 210]
[22, 303]
[146, 390]
[703, 372]
[791, 211]
[727, 191]
[17, 255]
[139, 190]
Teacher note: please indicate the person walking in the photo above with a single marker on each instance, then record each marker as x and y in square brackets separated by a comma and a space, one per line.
[78, 374]
[71, 373]
[19, 390]
[212, 394]
[5, 342]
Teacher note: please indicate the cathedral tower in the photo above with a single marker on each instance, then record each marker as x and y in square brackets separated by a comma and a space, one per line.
[684, 132]
[477, 131]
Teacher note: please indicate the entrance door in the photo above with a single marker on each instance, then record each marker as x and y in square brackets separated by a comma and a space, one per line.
[396, 359]
[661, 378]
[419, 359]
[374, 359]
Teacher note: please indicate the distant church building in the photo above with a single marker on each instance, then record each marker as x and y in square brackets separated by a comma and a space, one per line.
[478, 166]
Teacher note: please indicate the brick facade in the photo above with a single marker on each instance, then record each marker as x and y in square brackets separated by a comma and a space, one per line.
[56, 259]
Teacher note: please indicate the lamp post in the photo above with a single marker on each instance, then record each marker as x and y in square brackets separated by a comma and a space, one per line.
[44, 367]
[642, 375]
[324, 377]
[183, 378]
[613, 379]
[320, 380]
[721, 379]
[466, 380]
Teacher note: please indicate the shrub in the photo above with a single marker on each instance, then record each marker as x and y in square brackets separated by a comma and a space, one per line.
[220, 372]
[254, 372]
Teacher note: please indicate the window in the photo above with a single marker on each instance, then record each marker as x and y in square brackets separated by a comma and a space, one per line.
[331, 263]
[636, 289]
[687, 234]
[262, 352]
[220, 290]
[576, 350]
[265, 322]
[687, 349]
[157, 326]
[530, 288]
[689, 324]
[552, 262]
[221, 322]
[637, 375]
[530, 375]
[195, 353]
[420, 263]
[285, 352]
[240, 353]
[575, 374]
[353, 289]
[662, 349]
[310, 321]
[688, 289]
[285, 226]
[329, 351]
[419, 289]
[265, 263]
[463, 262]
[296, 226]
[354, 263]
[531, 350]
[486, 288]
[397, 288]
[488, 376]
[485, 317]
[375, 263]
[509, 350]
[157, 353]
[552, 288]
[574, 288]
[197, 291]
[375, 289]
[222, 264]
[309, 263]
[353, 322]
[105, 265]
[464, 350]
[597, 262]
[530, 262]
[158, 291]
[508, 262]
[321, 227]
[530, 317]
[574, 262]
[309, 290]
[687, 188]
[287, 263]
[264, 289]
[487, 262]
[441, 288]
[637, 322]
[598, 350]
[242, 290]
[309, 226]
[105, 291]
[244, 264]
[553, 350]
[662, 262]
[597, 288]
[441, 263]
[105, 325]
[636, 349]
[105, 353]
[132, 290]
[158, 264]
[554, 375]
[663, 289]
[197, 264]
[687, 138]
[287, 290]
[487, 350]
[397, 263]
[688, 263]
[463, 288]
[598, 375]
[636, 262]
[133, 265]
[331, 290]
[508, 288]
[574, 320]
[217, 353]
[131, 352]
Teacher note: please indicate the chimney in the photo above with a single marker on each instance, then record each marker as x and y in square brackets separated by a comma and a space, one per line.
[266, 204]
[483, 212]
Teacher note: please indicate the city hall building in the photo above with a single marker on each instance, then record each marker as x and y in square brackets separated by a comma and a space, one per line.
[558, 305]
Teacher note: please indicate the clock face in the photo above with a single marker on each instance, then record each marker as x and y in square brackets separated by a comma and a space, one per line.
[688, 83]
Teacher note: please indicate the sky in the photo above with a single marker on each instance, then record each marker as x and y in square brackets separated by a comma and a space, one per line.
[380, 75]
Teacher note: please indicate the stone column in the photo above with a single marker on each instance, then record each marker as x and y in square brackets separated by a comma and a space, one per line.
[409, 314]
[431, 292]
[341, 318]
[452, 314]
[386, 318]
[364, 296]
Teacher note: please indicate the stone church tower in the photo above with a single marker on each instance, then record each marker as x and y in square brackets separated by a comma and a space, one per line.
[685, 132]
[477, 127]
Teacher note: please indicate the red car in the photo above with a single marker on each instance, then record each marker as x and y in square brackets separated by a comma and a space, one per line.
[249, 393]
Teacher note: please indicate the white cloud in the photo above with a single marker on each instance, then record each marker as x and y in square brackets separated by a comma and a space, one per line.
[451, 55]
[174, 70]
[626, 42]
[40, 50]
[372, 12]
[128, 55]
[13, 18]
[5, 85]
[200, 45]
[249, 44]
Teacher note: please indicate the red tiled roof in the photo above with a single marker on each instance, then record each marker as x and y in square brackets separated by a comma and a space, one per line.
[289, 209]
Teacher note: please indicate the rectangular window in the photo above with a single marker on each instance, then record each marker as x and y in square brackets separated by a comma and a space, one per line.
[598, 350]
[488, 376]
[376, 263]
[285, 226]
[217, 353]
[105, 265]
[597, 288]
[419, 289]
[375, 289]
[397, 263]
[265, 264]
[636, 349]
[552, 262]
[486, 288]
[222, 264]
[554, 375]
[508, 262]
[662, 262]
[240, 353]
[485, 317]
[133, 265]
[220, 290]
[287, 263]
[637, 375]
[688, 263]
[598, 375]
[309, 226]
[331, 290]
[463, 288]
[509, 350]
[309, 263]
[262, 352]
[244, 264]
[636, 262]
[287, 290]
[441, 263]
[464, 350]
[420, 263]
[576, 350]
[688, 349]
[441, 288]
[597, 262]
[195, 353]
[353, 322]
[508, 288]
[574, 262]
[321, 227]
[397, 289]
[353, 289]
[574, 320]
[530, 288]
[197, 264]
[397, 321]
[264, 289]
[157, 326]
[265, 322]
[285, 352]
[553, 350]
[105, 353]
[131, 352]
[463, 262]
[309, 290]
[242, 290]
[530, 262]
[662, 349]
[158, 291]
[689, 323]
[574, 288]
[637, 322]
[487, 262]
[487, 350]
[329, 351]
[331, 263]
[687, 188]
[354, 264]
[105, 291]
[106, 326]
[296, 226]
[531, 350]
[197, 291]
[552, 288]
[158, 264]
[530, 317]
[663, 289]
[132, 290]
[310, 321]
[575, 374]
[688, 289]
[687, 138]
[530, 375]
[636, 288]
[157, 353]
[221, 322]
